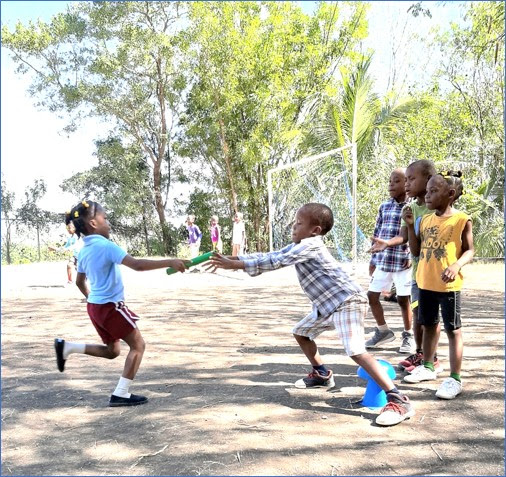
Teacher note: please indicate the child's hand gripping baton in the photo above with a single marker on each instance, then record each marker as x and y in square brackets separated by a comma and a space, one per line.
[193, 261]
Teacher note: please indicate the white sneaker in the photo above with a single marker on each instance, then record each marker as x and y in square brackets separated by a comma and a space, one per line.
[408, 343]
[419, 374]
[450, 388]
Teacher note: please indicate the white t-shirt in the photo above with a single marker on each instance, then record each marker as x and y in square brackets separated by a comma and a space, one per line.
[237, 233]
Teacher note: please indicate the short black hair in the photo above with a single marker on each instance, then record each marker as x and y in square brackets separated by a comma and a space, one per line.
[321, 215]
[80, 214]
[426, 167]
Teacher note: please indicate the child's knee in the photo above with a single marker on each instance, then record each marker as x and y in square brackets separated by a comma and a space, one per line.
[300, 338]
[113, 350]
[373, 297]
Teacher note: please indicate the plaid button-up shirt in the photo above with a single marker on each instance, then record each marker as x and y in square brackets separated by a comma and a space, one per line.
[325, 283]
[388, 225]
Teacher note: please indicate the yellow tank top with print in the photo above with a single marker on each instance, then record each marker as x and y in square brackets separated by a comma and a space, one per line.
[441, 247]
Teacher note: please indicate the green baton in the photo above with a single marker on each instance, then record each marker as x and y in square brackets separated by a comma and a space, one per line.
[194, 261]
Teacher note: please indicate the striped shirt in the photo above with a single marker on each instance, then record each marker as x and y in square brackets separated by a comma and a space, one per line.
[388, 225]
[325, 283]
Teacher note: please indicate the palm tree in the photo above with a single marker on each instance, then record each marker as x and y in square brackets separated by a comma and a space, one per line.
[356, 115]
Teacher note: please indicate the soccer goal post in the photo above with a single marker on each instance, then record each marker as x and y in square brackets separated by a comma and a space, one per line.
[323, 178]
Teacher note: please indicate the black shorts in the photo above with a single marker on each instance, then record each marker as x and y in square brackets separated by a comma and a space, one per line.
[429, 303]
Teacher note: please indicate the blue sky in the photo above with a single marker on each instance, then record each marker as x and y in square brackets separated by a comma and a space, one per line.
[33, 146]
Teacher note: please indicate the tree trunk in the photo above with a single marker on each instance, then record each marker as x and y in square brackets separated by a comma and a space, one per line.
[226, 156]
[157, 179]
[145, 229]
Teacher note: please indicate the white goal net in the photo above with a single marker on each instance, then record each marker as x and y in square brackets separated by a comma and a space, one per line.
[322, 178]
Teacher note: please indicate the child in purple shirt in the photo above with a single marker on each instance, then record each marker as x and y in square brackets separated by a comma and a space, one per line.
[194, 236]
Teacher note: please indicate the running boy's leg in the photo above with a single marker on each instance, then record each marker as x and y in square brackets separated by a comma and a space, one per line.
[134, 357]
[310, 349]
[349, 323]
[304, 333]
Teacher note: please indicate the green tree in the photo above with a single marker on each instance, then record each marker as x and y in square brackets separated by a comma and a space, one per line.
[355, 114]
[121, 183]
[30, 215]
[8, 217]
[461, 127]
[113, 60]
[255, 65]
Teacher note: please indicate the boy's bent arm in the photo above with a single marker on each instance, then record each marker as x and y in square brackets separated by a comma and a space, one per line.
[145, 264]
[450, 273]
[414, 241]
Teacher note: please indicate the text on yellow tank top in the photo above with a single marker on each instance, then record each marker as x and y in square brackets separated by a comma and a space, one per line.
[441, 247]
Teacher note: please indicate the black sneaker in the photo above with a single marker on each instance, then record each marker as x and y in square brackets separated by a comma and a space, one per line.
[315, 380]
[58, 347]
[133, 400]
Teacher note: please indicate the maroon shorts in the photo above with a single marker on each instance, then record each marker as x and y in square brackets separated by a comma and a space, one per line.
[113, 321]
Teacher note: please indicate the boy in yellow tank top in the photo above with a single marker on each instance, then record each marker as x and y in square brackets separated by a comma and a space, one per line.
[445, 245]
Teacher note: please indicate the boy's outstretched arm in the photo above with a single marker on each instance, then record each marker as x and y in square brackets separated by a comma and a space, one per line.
[379, 244]
[144, 264]
[227, 263]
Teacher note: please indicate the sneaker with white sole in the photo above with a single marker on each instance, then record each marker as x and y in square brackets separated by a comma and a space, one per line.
[438, 367]
[408, 343]
[450, 388]
[411, 362]
[419, 374]
[379, 338]
[398, 409]
[316, 380]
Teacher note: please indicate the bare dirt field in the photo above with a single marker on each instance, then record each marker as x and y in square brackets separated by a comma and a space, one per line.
[218, 370]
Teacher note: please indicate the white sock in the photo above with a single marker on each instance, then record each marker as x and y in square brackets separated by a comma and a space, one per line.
[407, 331]
[383, 327]
[122, 387]
[69, 348]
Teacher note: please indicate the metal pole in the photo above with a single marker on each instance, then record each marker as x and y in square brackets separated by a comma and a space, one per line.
[354, 200]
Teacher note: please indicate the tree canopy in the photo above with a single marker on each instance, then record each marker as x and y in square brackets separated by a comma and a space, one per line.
[201, 99]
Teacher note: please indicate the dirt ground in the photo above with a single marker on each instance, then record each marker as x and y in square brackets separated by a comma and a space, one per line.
[218, 370]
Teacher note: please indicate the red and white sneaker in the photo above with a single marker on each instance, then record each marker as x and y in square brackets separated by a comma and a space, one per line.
[398, 409]
[413, 361]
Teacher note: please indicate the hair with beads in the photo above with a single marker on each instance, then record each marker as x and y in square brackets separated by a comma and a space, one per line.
[454, 180]
[80, 214]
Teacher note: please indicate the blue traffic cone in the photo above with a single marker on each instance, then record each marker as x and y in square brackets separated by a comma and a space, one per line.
[374, 396]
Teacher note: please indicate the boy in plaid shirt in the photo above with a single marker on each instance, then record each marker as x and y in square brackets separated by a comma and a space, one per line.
[392, 265]
[339, 303]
